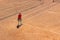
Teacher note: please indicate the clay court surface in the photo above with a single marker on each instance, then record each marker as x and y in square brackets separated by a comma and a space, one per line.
[41, 20]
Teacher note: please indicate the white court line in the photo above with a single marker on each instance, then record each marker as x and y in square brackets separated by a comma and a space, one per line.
[9, 16]
[37, 12]
[53, 12]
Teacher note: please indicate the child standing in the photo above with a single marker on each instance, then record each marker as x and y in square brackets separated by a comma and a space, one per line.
[19, 20]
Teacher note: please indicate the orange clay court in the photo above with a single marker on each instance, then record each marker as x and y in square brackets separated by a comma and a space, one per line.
[40, 19]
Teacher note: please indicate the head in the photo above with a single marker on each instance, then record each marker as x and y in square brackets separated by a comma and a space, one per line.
[19, 13]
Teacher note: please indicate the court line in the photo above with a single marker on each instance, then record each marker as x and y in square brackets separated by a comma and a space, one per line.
[16, 13]
[12, 15]
[44, 9]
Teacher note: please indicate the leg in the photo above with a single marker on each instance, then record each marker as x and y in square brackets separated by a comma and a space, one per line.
[19, 22]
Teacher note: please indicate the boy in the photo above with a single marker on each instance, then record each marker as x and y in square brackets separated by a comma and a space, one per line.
[19, 20]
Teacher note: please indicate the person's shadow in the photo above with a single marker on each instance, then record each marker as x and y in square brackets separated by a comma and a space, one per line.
[19, 26]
